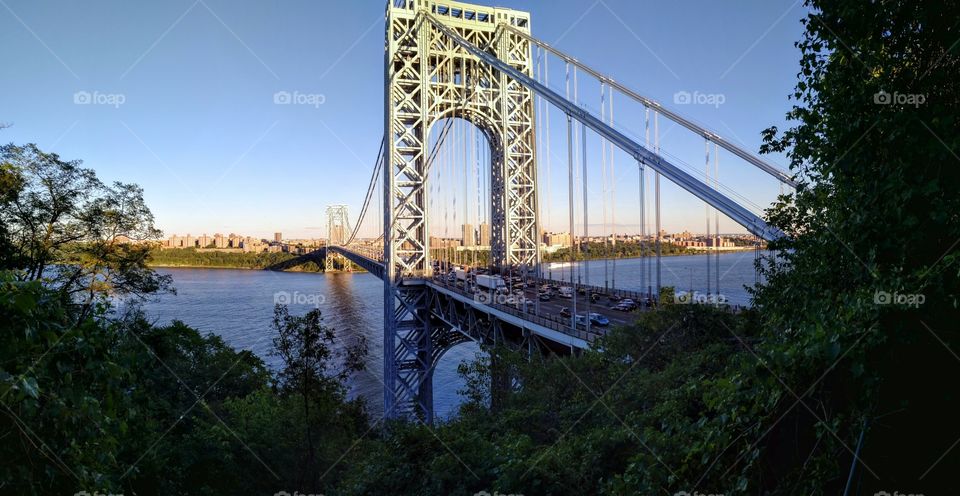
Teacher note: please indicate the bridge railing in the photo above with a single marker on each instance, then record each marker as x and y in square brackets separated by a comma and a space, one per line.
[553, 322]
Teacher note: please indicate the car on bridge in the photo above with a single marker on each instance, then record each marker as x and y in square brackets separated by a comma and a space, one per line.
[599, 320]
[625, 306]
[565, 312]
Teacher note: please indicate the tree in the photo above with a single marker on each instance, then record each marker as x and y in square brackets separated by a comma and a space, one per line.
[314, 371]
[11, 184]
[65, 395]
[874, 145]
[65, 227]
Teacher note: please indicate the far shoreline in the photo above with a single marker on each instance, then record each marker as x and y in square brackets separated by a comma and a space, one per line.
[225, 267]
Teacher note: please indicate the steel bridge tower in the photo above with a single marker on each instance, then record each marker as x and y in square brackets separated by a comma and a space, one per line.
[338, 229]
[429, 77]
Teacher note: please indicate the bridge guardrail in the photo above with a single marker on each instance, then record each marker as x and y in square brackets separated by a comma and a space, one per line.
[549, 321]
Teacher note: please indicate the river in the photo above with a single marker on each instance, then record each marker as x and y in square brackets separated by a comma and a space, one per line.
[238, 306]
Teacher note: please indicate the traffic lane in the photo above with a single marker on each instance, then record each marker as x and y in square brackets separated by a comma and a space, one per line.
[602, 307]
[552, 308]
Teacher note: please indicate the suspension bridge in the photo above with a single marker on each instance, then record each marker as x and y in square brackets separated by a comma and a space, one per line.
[449, 63]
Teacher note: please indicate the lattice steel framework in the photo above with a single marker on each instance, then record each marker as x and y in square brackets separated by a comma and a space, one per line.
[338, 229]
[428, 77]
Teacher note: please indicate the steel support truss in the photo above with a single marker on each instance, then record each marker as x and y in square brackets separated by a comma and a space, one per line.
[338, 228]
[429, 77]
[462, 323]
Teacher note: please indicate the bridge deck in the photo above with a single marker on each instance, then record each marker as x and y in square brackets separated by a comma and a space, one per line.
[540, 317]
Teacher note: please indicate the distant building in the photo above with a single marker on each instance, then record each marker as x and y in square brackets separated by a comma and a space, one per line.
[557, 239]
[484, 234]
[468, 235]
[436, 242]
[278, 237]
[718, 241]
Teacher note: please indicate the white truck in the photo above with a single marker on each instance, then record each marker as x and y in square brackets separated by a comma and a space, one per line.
[490, 283]
[461, 274]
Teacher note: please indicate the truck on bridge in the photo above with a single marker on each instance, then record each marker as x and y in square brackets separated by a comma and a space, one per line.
[490, 283]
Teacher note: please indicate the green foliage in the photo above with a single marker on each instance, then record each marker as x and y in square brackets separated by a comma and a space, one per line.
[121, 406]
[630, 249]
[191, 257]
[588, 251]
[65, 409]
[62, 225]
[874, 144]
[667, 296]
[639, 415]
[313, 377]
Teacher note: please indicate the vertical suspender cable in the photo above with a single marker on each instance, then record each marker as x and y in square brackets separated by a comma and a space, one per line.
[546, 105]
[455, 189]
[613, 198]
[643, 225]
[446, 204]
[474, 148]
[706, 207]
[603, 177]
[454, 183]
[539, 190]
[471, 242]
[643, 229]
[573, 314]
[656, 145]
[576, 178]
[716, 218]
[476, 186]
[573, 258]
[586, 219]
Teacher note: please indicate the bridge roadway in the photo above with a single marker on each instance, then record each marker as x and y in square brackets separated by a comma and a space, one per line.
[540, 317]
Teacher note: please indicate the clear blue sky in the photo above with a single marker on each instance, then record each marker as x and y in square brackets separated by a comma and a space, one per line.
[199, 130]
